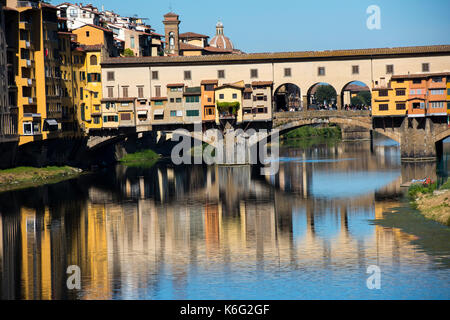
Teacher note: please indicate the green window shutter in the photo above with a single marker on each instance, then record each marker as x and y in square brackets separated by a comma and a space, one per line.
[116, 118]
[105, 119]
[89, 77]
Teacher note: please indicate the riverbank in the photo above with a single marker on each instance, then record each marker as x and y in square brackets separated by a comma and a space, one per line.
[144, 159]
[27, 177]
[432, 202]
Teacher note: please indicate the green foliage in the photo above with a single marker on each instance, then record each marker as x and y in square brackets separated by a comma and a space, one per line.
[128, 53]
[366, 97]
[325, 93]
[416, 189]
[446, 186]
[225, 106]
[308, 131]
[357, 101]
[146, 158]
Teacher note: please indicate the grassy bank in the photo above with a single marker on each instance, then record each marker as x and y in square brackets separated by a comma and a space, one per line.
[313, 132]
[431, 201]
[26, 177]
[143, 159]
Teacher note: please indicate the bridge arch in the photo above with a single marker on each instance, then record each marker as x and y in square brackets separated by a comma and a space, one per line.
[443, 135]
[315, 102]
[286, 97]
[355, 89]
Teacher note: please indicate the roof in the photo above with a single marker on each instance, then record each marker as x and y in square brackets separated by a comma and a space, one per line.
[47, 5]
[283, 56]
[158, 98]
[175, 85]
[230, 85]
[356, 88]
[10, 9]
[193, 91]
[192, 35]
[171, 14]
[421, 75]
[262, 83]
[188, 47]
[92, 47]
[128, 99]
[218, 50]
[222, 42]
[94, 26]
[209, 82]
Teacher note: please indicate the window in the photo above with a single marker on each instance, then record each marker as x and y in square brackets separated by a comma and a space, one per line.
[209, 111]
[448, 92]
[384, 107]
[27, 128]
[390, 69]
[178, 100]
[110, 92]
[192, 113]
[159, 103]
[383, 93]
[173, 113]
[125, 92]
[418, 105]
[221, 74]
[187, 75]
[110, 119]
[355, 69]
[436, 91]
[247, 95]
[209, 87]
[425, 67]
[82, 75]
[321, 71]
[235, 95]
[400, 92]
[158, 91]
[254, 73]
[94, 77]
[110, 76]
[192, 99]
[401, 106]
[81, 93]
[87, 34]
[287, 72]
[412, 92]
[417, 81]
[221, 96]
[125, 116]
[155, 75]
[132, 42]
[172, 100]
[437, 104]
[96, 120]
[436, 79]
[93, 60]
[140, 92]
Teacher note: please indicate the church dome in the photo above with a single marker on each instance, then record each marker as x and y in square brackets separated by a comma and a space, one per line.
[220, 40]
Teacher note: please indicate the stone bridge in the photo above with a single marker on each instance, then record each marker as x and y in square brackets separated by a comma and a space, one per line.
[419, 138]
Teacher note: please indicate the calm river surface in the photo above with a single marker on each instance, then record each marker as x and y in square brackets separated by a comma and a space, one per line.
[200, 232]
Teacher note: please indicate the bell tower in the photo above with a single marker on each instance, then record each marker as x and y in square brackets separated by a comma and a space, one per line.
[171, 27]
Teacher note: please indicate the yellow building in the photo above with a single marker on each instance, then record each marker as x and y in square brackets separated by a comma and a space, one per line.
[229, 102]
[391, 100]
[78, 83]
[91, 92]
[95, 35]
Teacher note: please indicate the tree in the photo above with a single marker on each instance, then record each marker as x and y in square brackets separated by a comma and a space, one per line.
[366, 97]
[325, 93]
[128, 53]
[357, 101]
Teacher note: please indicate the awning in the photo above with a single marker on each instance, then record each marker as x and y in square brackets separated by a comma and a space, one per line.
[142, 113]
[158, 112]
[51, 122]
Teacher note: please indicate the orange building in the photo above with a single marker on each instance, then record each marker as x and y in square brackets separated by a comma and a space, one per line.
[208, 100]
[95, 35]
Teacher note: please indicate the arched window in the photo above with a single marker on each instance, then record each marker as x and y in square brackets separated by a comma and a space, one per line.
[171, 40]
[93, 60]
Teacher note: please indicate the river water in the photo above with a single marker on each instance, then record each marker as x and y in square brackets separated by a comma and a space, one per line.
[197, 232]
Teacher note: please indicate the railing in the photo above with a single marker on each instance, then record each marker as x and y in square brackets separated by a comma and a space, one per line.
[8, 125]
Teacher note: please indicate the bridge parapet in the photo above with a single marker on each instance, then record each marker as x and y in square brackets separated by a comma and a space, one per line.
[322, 114]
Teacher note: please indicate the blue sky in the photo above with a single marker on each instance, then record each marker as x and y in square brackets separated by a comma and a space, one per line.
[297, 25]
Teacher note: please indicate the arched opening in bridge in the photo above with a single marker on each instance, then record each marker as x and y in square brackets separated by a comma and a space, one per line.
[322, 96]
[356, 95]
[288, 97]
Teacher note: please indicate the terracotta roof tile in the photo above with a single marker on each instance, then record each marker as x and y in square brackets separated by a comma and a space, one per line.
[280, 56]
[209, 82]
[175, 85]
[192, 35]
[262, 83]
